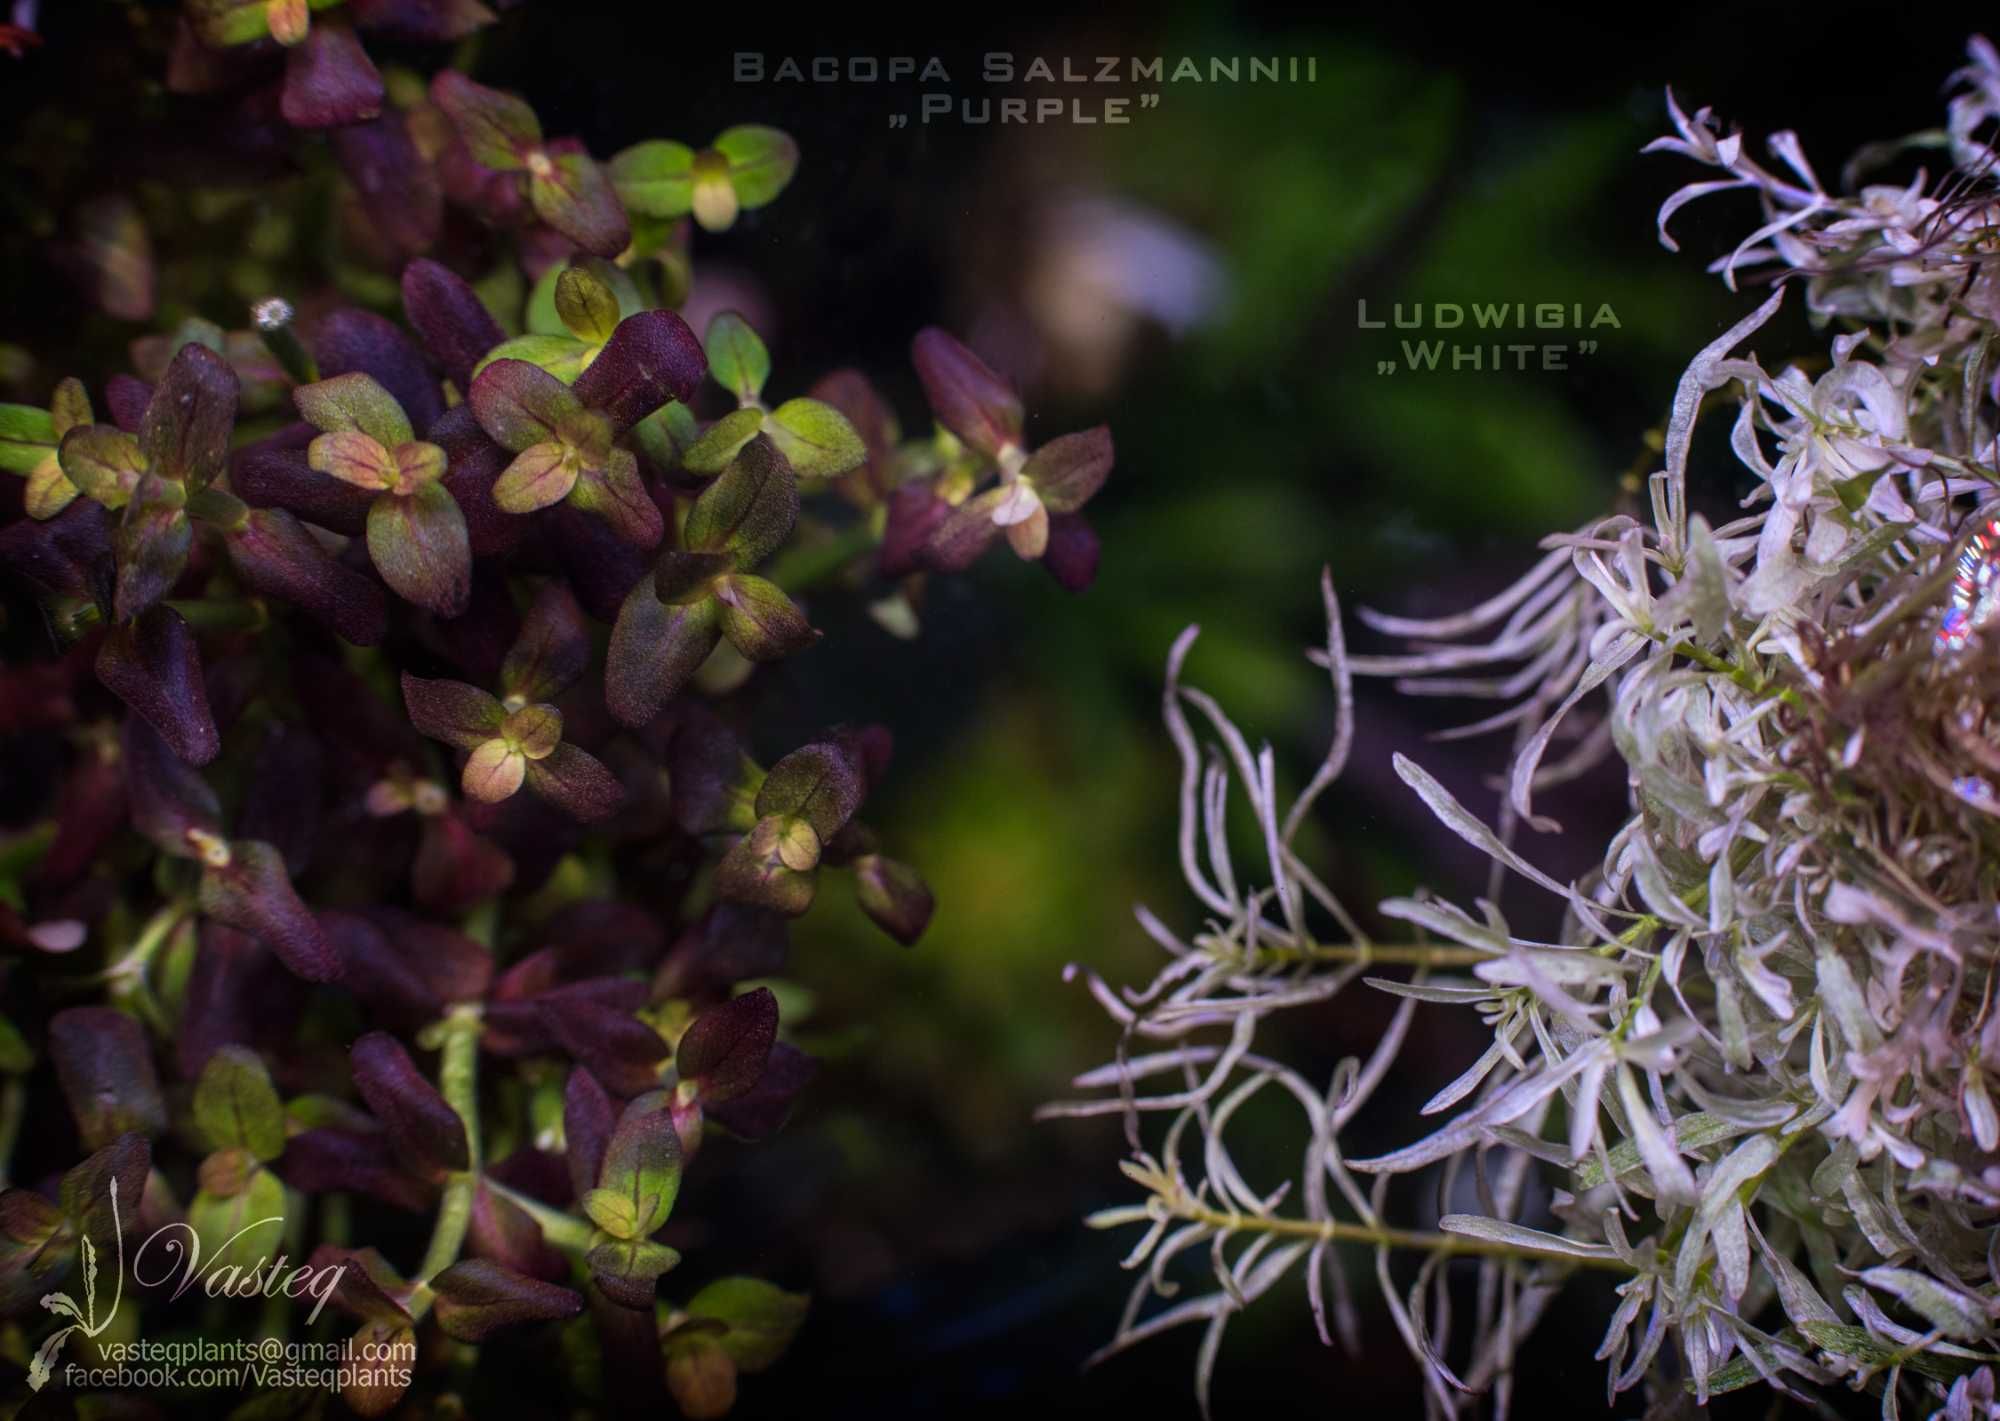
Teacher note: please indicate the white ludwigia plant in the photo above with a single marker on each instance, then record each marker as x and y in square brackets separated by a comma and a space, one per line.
[1752, 1076]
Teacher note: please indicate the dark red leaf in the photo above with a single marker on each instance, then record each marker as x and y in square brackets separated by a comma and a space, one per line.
[281, 802]
[457, 868]
[650, 359]
[154, 666]
[1072, 554]
[588, 1120]
[320, 1161]
[276, 556]
[504, 1232]
[169, 798]
[348, 340]
[329, 79]
[398, 189]
[761, 1110]
[726, 1049]
[252, 892]
[424, 1130]
[968, 398]
[186, 426]
[455, 325]
[105, 1067]
[274, 474]
[476, 1297]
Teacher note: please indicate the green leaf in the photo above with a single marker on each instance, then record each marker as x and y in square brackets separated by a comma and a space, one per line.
[655, 178]
[519, 405]
[104, 462]
[1692, 1132]
[27, 436]
[737, 357]
[760, 620]
[240, 1228]
[655, 649]
[817, 783]
[562, 356]
[354, 458]
[756, 870]
[222, 23]
[642, 1165]
[540, 475]
[700, 1375]
[613, 1212]
[815, 438]
[749, 510]
[1957, 1313]
[461, 716]
[683, 577]
[493, 771]
[761, 161]
[616, 493]
[587, 306]
[1068, 470]
[577, 199]
[354, 402]
[629, 1270]
[664, 434]
[762, 1319]
[498, 129]
[235, 1106]
[712, 450]
[418, 543]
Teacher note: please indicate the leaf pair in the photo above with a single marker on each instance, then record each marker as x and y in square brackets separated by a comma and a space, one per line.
[563, 185]
[238, 1208]
[734, 1325]
[572, 314]
[637, 1183]
[416, 533]
[746, 167]
[157, 477]
[563, 451]
[814, 437]
[699, 594]
[808, 798]
[519, 741]
[29, 438]
[983, 411]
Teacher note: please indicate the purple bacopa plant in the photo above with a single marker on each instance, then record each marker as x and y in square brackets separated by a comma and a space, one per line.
[401, 846]
[1751, 1078]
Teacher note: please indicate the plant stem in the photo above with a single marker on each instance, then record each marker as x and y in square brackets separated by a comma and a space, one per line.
[806, 567]
[210, 615]
[1442, 1244]
[1413, 954]
[458, 1082]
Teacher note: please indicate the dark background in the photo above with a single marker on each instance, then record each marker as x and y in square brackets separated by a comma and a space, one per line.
[1438, 157]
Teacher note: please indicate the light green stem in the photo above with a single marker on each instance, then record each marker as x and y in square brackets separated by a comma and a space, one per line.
[1441, 1244]
[458, 1082]
[803, 568]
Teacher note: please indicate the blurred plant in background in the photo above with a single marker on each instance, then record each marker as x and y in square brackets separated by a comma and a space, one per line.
[1748, 1075]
